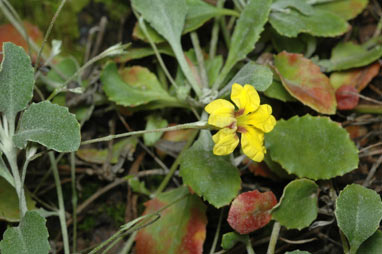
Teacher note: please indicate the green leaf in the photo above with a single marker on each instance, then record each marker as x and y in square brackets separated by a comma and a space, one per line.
[312, 147]
[30, 237]
[180, 229]
[67, 67]
[346, 9]
[122, 148]
[302, 6]
[49, 125]
[320, 23]
[199, 12]
[259, 76]
[213, 67]
[9, 202]
[16, 80]
[358, 213]
[138, 186]
[210, 176]
[132, 87]
[167, 17]
[347, 55]
[230, 239]
[304, 80]
[300, 194]
[247, 31]
[154, 122]
[373, 245]
[277, 91]
[297, 252]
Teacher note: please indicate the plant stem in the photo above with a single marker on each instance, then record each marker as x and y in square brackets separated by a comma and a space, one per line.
[74, 200]
[368, 109]
[156, 51]
[129, 243]
[215, 32]
[200, 58]
[194, 125]
[113, 50]
[174, 166]
[217, 233]
[249, 247]
[48, 32]
[274, 237]
[61, 206]
[10, 151]
[344, 242]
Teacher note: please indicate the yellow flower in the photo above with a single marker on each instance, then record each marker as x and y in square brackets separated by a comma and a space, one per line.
[251, 119]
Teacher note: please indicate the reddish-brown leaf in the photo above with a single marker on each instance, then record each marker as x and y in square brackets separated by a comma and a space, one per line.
[251, 211]
[358, 78]
[180, 229]
[347, 97]
[9, 33]
[304, 80]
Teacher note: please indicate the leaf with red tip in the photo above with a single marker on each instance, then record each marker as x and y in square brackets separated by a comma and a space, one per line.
[304, 80]
[180, 229]
[358, 78]
[251, 211]
[347, 97]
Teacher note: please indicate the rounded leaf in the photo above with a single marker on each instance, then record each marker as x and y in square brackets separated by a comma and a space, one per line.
[373, 245]
[298, 205]
[251, 211]
[347, 97]
[312, 147]
[49, 125]
[358, 212]
[210, 176]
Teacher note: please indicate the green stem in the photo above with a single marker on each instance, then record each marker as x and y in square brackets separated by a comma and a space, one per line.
[249, 247]
[368, 109]
[200, 58]
[74, 200]
[61, 206]
[48, 32]
[156, 51]
[217, 233]
[175, 165]
[194, 125]
[136, 224]
[129, 243]
[344, 242]
[113, 50]
[274, 237]
[10, 151]
[215, 32]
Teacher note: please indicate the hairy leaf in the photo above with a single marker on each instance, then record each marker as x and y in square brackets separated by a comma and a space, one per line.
[16, 80]
[212, 177]
[312, 147]
[358, 213]
[49, 125]
[301, 193]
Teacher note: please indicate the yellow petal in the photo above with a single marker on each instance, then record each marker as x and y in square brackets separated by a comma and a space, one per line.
[262, 118]
[226, 141]
[252, 144]
[245, 97]
[221, 113]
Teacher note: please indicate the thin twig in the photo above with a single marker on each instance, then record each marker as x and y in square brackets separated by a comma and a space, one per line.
[48, 33]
